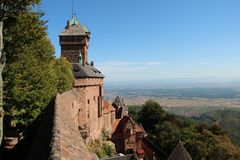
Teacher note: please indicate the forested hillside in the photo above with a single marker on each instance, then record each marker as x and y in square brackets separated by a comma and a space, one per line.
[202, 141]
[229, 120]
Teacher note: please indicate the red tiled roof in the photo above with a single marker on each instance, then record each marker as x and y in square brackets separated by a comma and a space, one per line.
[107, 107]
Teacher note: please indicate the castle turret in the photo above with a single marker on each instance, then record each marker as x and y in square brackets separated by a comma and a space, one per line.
[74, 42]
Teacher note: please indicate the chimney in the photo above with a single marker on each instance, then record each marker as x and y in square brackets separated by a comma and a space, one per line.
[92, 63]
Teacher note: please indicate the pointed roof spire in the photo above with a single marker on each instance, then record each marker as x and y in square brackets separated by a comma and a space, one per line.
[179, 153]
[74, 27]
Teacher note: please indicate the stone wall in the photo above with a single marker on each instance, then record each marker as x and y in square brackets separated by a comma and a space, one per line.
[74, 112]
[67, 142]
[90, 119]
[71, 46]
[58, 137]
[69, 108]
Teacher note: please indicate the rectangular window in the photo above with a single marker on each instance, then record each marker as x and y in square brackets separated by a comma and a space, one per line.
[99, 106]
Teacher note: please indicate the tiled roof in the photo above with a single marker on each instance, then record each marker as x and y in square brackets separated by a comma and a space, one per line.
[107, 107]
[86, 71]
[117, 125]
[75, 28]
[179, 153]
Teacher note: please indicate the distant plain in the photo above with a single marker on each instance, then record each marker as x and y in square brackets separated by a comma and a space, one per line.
[184, 101]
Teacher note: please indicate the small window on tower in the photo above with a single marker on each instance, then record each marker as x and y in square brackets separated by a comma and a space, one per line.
[88, 101]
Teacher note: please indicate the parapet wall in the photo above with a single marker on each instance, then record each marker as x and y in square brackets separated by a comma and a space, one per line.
[67, 142]
[58, 137]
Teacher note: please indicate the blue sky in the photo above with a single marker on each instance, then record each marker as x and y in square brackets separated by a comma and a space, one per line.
[155, 39]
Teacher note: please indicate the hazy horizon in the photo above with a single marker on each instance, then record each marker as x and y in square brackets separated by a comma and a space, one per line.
[213, 82]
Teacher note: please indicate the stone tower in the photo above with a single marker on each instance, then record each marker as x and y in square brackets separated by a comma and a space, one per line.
[88, 80]
[74, 42]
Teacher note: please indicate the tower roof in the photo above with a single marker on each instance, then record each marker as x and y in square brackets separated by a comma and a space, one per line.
[74, 21]
[86, 71]
[75, 28]
[179, 153]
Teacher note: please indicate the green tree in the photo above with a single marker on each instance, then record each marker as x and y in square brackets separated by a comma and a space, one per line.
[64, 74]
[8, 9]
[150, 115]
[29, 76]
[30, 85]
[166, 135]
[202, 141]
[133, 111]
[32, 76]
[225, 149]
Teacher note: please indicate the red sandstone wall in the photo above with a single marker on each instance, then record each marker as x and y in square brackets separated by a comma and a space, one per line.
[67, 142]
[70, 47]
[107, 122]
[91, 92]
[84, 109]
[94, 121]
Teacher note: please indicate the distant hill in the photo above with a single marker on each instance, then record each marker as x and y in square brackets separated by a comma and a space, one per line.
[229, 120]
[185, 93]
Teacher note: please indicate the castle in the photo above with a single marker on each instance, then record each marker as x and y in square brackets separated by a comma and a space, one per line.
[78, 116]
[92, 113]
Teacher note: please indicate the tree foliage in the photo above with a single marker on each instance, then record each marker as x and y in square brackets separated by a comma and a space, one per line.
[32, 76]
[133, 111]
[102, 147]
[229, 120]
[202, 141]
[64, 74]
[150, 115]
[8, 8]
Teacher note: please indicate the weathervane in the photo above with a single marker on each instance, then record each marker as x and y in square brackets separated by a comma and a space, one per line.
[73, 14]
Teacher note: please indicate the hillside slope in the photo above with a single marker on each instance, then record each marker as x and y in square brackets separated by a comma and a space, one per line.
[229, 120]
